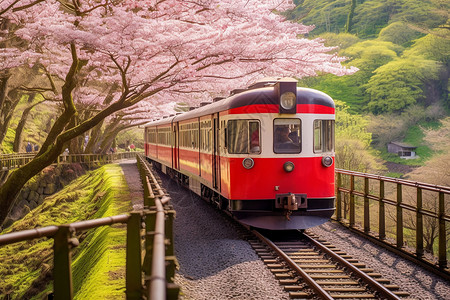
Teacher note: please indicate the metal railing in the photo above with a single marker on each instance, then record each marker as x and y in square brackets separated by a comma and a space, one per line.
[159, 268]
[156, 271]
[408, 216]
[16, 160]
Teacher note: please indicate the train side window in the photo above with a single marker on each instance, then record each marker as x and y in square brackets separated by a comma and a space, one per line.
[323, 136]
[243, 137]
[287, 136]
[255, 140]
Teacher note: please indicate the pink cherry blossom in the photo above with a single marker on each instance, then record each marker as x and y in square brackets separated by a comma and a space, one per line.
[166, 51]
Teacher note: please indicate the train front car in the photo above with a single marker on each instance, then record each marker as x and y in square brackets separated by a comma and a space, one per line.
[278, 167]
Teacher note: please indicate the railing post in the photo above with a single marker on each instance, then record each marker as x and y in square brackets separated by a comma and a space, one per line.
[150, 223]
[442, 232]
[171, 260]
[133, 257]
[62, 269]
[419, 224]
[339, 198]
[399, 216]
[366, 206]
[149, 200]
[382, 213]
[352, 201]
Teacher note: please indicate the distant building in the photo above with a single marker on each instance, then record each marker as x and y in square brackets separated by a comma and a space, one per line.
[402, 149]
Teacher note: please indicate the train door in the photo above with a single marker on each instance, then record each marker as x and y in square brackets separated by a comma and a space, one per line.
[175, 147]
[216, 153]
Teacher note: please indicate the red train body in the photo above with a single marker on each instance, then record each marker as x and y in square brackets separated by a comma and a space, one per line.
[265, 154]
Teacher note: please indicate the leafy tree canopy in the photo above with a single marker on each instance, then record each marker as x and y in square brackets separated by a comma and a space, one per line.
[342, 40]
[398, 33]
[351, 125]
[398, 83]
[370, 54]
[435, 46]
[353, 141]
[369, 16]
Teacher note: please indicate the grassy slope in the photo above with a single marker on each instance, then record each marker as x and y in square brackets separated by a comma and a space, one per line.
[98, 263]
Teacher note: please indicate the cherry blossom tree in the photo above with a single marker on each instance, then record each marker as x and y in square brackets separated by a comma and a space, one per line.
[114, 54]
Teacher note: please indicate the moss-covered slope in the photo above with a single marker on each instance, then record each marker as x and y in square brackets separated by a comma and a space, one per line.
[98, 262]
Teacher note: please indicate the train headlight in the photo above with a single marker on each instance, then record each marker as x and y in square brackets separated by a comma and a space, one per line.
[288, 100]
[288, 166]
[327, 161]
[248, 163]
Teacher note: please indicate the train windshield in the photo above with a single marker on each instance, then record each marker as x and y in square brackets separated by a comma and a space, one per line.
[286, 136]
[323, 136]
[244, 137]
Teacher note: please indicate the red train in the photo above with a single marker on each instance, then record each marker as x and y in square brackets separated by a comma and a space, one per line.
[264, 154]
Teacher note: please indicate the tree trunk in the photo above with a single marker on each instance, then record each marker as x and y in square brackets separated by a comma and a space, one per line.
[349, 25]
[19, 177]
[21, 125]
[93, 142]
[9, 103]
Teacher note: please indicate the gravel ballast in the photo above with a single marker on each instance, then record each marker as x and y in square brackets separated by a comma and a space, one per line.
[411, 278]
[215, 263]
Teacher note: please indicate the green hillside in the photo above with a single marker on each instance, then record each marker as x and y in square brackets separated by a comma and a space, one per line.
[402, 50]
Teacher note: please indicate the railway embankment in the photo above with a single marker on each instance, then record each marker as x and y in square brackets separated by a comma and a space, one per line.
[98, 260]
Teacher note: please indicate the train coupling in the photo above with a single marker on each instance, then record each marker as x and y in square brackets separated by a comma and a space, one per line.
[291, 201]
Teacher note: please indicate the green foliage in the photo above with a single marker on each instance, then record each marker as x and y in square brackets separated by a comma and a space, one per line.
[393, 127]
[341, 40]
[131, 136]
[398, 33]
[7, 145]
[25, 269]
[353, 150]
[367, 18]
[350, 125]
[433, 46]
[345, 88]
[403, 75]
[371, 54]
[399, 84]
[367, 56]
[325, 15]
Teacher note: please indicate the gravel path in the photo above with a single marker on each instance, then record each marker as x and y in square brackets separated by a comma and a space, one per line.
[132, 176]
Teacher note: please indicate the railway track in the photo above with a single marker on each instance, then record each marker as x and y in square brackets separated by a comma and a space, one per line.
[308, 268]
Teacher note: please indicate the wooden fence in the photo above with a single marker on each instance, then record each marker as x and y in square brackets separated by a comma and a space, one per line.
[410, 216]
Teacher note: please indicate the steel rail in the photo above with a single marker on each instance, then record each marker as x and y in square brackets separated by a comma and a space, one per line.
[366, 278]
[311, 282]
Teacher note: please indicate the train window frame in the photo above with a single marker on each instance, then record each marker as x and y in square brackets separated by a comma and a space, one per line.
[324, 136]
[290, 147]
[252, 140]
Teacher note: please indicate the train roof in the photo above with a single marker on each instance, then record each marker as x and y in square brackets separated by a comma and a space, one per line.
[257, 94]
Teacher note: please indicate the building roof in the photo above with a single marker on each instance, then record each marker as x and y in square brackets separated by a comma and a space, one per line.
[404, 145]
